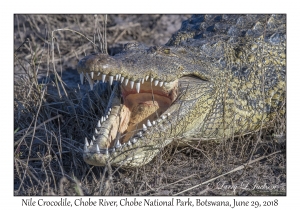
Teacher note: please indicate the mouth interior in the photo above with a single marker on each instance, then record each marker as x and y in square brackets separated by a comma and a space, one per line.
[149, 104]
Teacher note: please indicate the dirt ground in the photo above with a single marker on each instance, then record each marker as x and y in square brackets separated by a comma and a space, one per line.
[49, 139]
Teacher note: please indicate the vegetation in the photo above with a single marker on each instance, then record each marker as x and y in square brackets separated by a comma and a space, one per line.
[49, 135]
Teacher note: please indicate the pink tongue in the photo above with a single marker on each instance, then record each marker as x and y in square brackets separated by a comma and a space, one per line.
[137, 109]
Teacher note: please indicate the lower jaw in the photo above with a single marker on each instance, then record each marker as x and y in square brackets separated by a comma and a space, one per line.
[128, 152]
[132, 156]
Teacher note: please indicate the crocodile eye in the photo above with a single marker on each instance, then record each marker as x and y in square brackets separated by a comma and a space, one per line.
[167, 51]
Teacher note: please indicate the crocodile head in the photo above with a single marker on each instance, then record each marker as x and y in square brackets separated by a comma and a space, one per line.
[205, 83]
[154, 106]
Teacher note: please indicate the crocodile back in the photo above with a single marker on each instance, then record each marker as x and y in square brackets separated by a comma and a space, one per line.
[231, 27]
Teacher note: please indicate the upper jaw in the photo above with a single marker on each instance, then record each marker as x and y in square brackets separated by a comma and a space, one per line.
[128, 70]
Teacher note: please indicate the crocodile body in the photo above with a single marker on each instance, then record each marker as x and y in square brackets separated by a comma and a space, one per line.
[217, 77]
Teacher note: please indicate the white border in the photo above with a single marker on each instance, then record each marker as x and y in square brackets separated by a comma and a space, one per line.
[155, 6]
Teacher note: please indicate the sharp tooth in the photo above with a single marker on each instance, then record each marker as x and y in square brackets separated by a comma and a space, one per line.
[90, 81]
[117, 77]
[102, 119]
[94, 139]
[103, 77]
[99, 124]
[168, 114]
[106, 152]
[144, 127]
[163, 117]
[146, 78]
[96, 131]
[131, 84]
[109, 109]
[128, 143]
[161, 83]
[81, 77]
[92, 74]
[122, 78]
[151, 79]
[138, 87]
[91, 144]
[98, 73]
[140, 134]
[86, 142]
[98, 150]
[158, 120]
[118, 144]
[153, 123]
[155, 82]
[126, 82]
[108, 113]
[111, 79]
[166, 83]
[106, 116]
[149, 123]
[143, 81]
[133, 141]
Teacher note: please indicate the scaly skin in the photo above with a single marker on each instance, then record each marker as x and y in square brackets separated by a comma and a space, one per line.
[221, 75]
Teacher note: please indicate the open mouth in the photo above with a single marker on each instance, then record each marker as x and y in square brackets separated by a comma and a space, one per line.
[135, 108]
[141, 106]
[143, 113]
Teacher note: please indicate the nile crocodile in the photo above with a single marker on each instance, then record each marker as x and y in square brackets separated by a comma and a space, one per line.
[218, 76]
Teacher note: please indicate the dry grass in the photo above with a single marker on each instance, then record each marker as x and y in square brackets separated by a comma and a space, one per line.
[49, 133]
